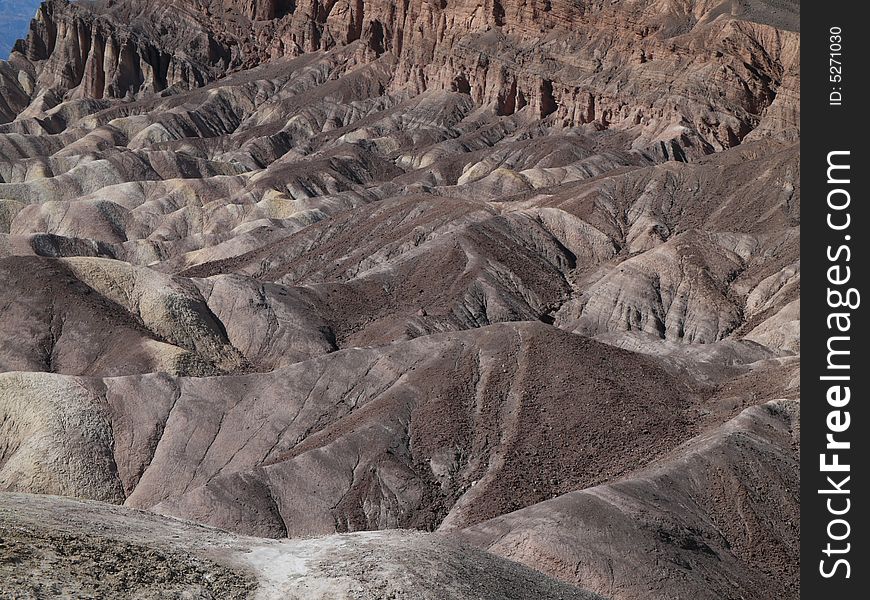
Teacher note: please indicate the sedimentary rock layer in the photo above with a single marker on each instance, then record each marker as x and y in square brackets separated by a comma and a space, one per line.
[525, 273]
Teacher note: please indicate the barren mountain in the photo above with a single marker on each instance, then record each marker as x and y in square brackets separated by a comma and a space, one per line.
[666, 522]
[523, 276]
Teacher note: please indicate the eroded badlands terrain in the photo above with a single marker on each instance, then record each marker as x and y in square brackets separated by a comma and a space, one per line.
[510, 289]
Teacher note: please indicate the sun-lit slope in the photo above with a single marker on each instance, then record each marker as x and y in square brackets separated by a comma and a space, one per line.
[520, 269]
[54, 545]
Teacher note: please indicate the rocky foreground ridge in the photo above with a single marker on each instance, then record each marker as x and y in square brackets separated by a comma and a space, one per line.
[523, 275]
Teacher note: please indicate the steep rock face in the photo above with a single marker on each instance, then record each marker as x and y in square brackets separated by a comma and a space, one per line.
[116, 51]
[294, 268]
[511, 57]
[515, 55]
[255, 173]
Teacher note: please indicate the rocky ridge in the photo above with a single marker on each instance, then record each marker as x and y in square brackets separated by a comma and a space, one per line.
[488, 269]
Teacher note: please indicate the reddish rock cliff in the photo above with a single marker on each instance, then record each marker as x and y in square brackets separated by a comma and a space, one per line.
[687, 79]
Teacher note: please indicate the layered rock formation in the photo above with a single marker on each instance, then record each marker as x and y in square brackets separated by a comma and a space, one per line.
[584, 62]
[490, 268]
